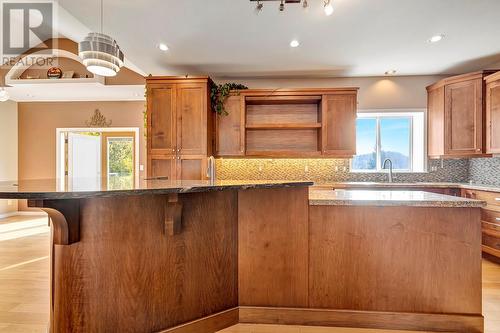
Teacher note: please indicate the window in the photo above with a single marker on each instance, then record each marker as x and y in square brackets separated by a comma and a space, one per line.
[398, 136]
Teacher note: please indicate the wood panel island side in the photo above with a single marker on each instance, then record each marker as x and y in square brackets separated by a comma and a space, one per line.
[195, 256]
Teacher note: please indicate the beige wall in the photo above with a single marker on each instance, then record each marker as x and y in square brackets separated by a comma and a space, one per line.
[375, 92]
[38, 123]
[8, 151]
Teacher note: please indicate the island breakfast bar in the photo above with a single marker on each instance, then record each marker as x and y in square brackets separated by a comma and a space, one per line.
[195, 256]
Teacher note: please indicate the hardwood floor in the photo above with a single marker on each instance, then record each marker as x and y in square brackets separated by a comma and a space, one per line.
[24, 274]
[24, 284]
[491, 297]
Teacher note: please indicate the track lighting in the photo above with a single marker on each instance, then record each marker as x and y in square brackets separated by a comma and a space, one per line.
[328, 6]
[259, 7]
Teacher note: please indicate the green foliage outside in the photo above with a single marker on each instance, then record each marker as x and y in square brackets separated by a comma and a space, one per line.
[121, 163]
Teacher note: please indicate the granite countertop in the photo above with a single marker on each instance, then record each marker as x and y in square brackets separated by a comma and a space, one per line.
[53, 189]
[480, 187]
[325, 197]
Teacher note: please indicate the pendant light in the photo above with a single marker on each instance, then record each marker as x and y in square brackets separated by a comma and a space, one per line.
[4, 95]
[100, 53]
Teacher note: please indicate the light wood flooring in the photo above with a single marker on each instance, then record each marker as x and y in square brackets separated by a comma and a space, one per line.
[24, 284]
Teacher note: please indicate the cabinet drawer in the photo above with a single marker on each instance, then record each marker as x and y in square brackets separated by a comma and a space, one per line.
[490, 216]
[491, 239]
[492, 199]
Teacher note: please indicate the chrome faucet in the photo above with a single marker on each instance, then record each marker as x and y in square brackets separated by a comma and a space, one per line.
[390, 168]
[211, 172]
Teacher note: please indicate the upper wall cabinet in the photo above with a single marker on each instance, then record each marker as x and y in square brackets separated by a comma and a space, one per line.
[289, 123]
[456, 116]
[493, 113]
[179, 127]
[230, 128]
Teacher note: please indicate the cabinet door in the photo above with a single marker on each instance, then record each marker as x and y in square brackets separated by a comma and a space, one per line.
[339, 125]
[463, 117]
[161, 119]
[493, 118]
[191, 167]
[230, 128]
[192, 112]
[162, 166]
[435, 116]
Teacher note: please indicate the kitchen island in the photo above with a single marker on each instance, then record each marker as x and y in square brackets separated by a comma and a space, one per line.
[198, 257]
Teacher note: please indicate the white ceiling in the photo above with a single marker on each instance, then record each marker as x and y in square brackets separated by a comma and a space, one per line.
[225, 38]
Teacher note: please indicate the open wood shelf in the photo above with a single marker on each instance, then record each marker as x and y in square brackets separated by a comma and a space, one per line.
[284, 126]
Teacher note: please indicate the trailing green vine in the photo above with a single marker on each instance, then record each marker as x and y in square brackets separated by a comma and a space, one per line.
[145, 114]
[219, 94]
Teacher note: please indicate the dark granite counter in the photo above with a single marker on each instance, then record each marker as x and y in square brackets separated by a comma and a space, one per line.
[54, 189]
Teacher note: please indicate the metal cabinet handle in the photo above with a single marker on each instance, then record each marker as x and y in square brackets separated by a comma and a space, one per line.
[497, 219]
[497, 199]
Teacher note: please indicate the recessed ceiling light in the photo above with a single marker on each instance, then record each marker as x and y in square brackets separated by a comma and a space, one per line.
[294, 43]
[391, 72]
[163, 47]
[436, 38]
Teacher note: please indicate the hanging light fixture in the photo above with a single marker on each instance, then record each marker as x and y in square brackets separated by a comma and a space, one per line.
[100, 53]
[4, 95]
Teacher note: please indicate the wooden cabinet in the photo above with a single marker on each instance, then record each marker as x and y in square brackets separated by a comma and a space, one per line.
[230, 128]
[464, 117]
[179, 127]
[456, 116]
[339, 125]
[289, 123]
[493, 113]
[490, 220]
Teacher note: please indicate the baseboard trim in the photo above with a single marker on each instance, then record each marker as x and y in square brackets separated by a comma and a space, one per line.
[209, 324]
[362, 319]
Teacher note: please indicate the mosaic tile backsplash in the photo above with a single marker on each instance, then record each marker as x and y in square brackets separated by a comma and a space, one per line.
[485, 170]
[334, 170]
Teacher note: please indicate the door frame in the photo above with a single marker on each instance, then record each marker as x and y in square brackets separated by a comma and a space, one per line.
[61, 181]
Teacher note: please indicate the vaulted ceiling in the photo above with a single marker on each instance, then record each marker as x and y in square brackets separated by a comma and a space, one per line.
[362, 37]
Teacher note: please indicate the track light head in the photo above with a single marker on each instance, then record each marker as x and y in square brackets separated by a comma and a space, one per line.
[259, 7]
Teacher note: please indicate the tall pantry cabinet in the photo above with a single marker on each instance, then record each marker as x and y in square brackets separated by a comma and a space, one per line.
[178, 122]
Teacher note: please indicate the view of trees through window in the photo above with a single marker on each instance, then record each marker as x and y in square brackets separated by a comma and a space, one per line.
[120, 163]
[379, 138]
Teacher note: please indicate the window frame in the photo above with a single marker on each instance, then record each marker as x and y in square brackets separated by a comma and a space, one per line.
[378, 114]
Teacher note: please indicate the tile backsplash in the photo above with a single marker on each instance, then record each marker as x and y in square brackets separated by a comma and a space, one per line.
[485, 170]
[334, 170]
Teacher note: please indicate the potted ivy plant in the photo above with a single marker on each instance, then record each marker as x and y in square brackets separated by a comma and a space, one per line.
[219, 94]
